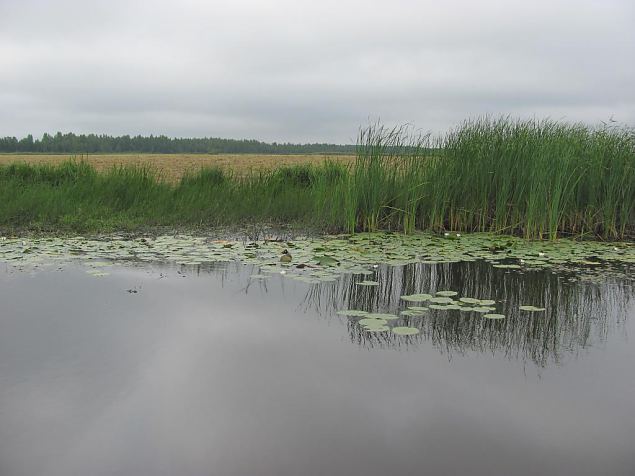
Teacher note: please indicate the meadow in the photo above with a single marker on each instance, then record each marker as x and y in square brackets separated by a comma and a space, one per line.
[536, 179]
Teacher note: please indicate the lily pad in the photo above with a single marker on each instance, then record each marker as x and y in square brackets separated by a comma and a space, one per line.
[412, 313]
[531, 308]
[442, 300]
[368, 283]
[372, 322]
[381, 315]
[446, 293]
[377, 329]
[416, 297]
[405, 331]
[494, 316]
[484, 309]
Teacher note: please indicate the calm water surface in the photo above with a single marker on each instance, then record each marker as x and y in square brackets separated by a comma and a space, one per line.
[206, 372]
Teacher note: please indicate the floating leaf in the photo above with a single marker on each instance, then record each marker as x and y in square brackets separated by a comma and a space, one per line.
[372, 322]
[377, 329]
[446, 293]
[494, 316]
[416, 297]
[405, 331]
[412, 313]
[368, 283]
[442, 300]
[483, 309]
[326, 260]
[381, 315]
[532, 308]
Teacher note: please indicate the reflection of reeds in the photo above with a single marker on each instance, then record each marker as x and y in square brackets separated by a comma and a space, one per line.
[577, 316]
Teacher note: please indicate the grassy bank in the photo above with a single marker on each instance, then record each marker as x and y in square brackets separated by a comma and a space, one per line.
[536, 179]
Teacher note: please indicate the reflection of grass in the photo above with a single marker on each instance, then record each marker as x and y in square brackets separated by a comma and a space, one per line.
[576, 317]
[537, 179]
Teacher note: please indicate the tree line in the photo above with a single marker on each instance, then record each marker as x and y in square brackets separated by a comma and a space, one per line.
[71, 143]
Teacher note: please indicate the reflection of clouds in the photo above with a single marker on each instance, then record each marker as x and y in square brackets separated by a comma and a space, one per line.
[196, 376]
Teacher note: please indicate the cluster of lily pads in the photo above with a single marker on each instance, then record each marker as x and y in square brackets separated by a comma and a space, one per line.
[440, 301]
[324, 259]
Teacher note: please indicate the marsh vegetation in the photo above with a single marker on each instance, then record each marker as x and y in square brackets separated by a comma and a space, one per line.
[536, 179]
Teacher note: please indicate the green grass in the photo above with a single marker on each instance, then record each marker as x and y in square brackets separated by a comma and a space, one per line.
[538, 179]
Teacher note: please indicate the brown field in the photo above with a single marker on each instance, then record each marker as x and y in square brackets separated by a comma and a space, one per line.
[174, 166]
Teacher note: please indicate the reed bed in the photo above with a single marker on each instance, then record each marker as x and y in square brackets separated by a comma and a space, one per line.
[538, 179]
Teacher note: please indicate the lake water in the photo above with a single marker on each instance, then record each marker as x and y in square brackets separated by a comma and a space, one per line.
[201, 370]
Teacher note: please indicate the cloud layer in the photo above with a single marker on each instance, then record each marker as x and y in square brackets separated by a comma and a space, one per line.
[305, 70]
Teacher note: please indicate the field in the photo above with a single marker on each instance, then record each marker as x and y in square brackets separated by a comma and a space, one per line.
[174, 166]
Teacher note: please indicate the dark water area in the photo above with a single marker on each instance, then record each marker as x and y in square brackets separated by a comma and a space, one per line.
[163, 370]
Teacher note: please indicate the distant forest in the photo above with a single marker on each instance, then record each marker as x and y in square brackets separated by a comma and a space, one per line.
[103, 144]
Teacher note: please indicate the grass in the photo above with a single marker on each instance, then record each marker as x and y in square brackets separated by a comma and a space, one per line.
[538, 179]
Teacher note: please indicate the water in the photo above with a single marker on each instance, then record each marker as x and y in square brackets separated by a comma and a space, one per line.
[203, 371]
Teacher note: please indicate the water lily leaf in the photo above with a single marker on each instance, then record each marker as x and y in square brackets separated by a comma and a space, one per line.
[442, 300]
[446, 293]
[494, 316]
[368, 283]
[412, 313]
[381, 315]
[326, 260]
[405, 331]
[532, 308]
[416, 297]
[372, 322]
[483, 309]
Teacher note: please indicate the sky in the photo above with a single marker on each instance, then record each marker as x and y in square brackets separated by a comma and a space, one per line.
[309, 71]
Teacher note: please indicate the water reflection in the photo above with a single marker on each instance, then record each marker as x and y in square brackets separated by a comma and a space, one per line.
[206, 371]
[577, 315]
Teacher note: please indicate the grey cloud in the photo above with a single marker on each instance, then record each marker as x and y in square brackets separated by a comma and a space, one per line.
[308, 71]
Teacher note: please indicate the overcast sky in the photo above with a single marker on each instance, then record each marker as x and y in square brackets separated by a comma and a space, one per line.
[309, 70]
